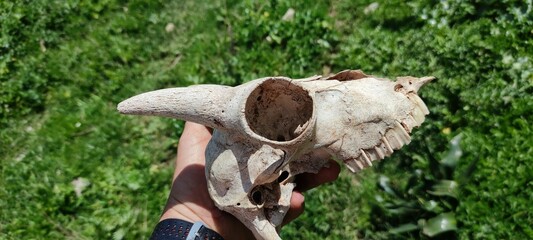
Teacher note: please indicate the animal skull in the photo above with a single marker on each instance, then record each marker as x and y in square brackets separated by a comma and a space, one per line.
[271, 129]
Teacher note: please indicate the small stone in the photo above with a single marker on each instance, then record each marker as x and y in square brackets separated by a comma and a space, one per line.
[170, 27]
[371, 8]
[42, 45]
[79, 185]
[289, 15]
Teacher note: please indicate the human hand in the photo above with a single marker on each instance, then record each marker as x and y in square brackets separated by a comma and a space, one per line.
[189, 199]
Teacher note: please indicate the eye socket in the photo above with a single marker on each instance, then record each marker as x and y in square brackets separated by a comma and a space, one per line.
[278, 110]
[257, 197]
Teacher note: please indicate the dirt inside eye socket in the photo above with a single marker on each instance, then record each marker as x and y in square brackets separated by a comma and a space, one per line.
[279, 110]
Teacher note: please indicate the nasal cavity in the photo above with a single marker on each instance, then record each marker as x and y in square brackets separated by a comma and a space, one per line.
[283, 176]
[279, 110]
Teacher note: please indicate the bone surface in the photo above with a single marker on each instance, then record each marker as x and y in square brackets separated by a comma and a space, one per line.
[269, 130]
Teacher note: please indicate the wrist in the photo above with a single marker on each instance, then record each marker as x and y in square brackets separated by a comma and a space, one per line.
[179, 212]
[222, 223]
[173, 229]
[185, 211]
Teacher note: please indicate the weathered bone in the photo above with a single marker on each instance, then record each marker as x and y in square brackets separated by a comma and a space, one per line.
[271, 129]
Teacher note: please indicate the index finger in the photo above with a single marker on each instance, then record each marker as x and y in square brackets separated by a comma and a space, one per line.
[192, 144]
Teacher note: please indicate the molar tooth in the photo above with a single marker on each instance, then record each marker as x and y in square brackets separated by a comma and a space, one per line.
[406, 126]
[418, 101]
[365, 158]
[418, 115]
[352, 167]
[372, 154]
[394, 140]
[359, 164]
[410, 121]
[380, 152]
[387, 145]
[402, 133]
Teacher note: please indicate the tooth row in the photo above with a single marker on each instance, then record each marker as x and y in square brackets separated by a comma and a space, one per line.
[394, 138]
[354, 164]
[417, 115]
[367, 156]
[398, 135]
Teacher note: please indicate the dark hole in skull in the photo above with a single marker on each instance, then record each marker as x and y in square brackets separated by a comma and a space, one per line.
[257, 197]
[278, 110]
[283, 176]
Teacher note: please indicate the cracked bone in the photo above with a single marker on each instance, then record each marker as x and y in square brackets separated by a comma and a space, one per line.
[269, 130]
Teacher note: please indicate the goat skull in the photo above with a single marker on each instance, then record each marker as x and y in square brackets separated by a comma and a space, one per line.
[272, 129]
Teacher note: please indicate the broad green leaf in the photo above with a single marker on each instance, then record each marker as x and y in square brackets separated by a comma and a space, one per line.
[445, 188]
[401, 211]
[442, 223]
[404, 228]
[432, 206]
[384, 184]
[119, 234]
[454, 153]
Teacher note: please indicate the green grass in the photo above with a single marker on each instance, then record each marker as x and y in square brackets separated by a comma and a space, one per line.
[64, 65]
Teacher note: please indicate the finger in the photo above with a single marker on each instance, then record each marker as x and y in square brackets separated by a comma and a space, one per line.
[192, 144]
[196, 131]
[306, 181]
[296, 208]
